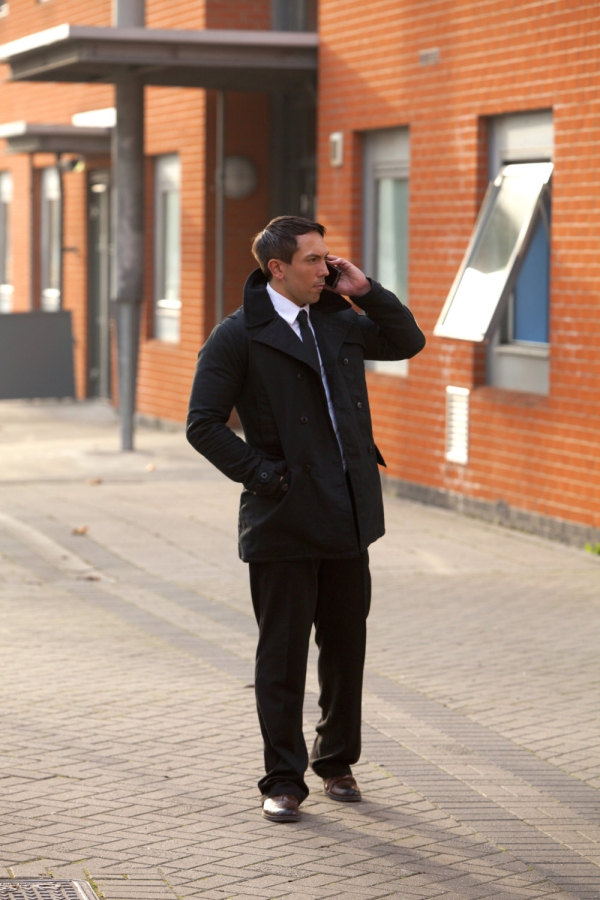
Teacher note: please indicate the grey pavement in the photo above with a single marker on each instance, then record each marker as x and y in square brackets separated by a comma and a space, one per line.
[130, 746]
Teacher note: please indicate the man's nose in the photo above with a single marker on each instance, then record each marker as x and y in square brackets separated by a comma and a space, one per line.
[323, 270]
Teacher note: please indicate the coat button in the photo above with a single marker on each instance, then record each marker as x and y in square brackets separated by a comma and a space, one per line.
[264, 476]
[345, 361]
[359, 405]
[370, 448]
[300, 376]
[303, 419]
[284, 487]
[307, 467]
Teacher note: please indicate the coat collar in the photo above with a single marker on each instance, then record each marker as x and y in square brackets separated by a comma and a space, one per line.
[269, 328]
[258, 309]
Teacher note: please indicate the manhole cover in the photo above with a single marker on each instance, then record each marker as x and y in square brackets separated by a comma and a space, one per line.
[49, 889]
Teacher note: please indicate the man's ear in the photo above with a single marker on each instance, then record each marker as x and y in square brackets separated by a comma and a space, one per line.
[275, 267]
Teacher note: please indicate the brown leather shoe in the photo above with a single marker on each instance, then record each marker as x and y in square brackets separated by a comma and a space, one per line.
[342, 787]
[283, 808]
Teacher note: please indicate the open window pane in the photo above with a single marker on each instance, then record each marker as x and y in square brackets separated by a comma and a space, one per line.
[501, 236]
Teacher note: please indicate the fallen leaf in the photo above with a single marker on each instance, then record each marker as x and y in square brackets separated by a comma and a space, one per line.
[83, 529]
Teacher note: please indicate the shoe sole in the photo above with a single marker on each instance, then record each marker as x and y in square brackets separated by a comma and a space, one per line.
[280, 820]
[343, 799]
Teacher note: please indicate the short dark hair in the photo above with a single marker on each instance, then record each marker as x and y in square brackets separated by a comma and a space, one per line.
[278, 239]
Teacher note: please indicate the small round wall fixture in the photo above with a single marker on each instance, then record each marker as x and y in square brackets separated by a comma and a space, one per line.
[240, 177]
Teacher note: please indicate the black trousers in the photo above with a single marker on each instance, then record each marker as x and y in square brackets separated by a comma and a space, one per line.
[288, 597]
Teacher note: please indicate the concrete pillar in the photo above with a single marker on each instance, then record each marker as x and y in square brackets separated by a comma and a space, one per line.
[129, 13]
[128, 219]
[128, 237]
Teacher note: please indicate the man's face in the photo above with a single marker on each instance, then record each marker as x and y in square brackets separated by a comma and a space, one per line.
[303, 279]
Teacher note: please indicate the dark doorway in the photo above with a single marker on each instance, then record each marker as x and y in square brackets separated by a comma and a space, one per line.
[293, 154]
[99, 254]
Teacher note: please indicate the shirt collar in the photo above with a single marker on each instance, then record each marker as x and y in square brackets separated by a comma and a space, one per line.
[287, 309]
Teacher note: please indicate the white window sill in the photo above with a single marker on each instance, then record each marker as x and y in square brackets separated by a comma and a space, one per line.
[539, 351]
[520, 367]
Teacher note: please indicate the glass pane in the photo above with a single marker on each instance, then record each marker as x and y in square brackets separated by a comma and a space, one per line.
[392, 235]
[532, 291]
[294, 15]
[499, 234]
[168, 304]
[6, 290]
[4, 242]
[515, 203]
[51, 238]
[172, 257]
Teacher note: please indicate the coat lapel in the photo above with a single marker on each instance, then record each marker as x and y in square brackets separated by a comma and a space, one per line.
[280, 335]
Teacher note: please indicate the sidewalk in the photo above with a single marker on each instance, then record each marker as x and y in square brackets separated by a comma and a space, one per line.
[130, 745]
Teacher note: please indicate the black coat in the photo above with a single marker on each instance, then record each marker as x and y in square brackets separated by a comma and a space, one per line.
[255, 362]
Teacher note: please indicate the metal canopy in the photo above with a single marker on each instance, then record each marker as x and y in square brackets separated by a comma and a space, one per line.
[221, 59]
[26, 137]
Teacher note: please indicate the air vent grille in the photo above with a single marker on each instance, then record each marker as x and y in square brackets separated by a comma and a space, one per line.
[457, 425]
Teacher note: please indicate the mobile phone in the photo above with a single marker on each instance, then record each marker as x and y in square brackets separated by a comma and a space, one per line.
[334, 276]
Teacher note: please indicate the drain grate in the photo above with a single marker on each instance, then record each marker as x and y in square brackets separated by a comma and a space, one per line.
[48, 889]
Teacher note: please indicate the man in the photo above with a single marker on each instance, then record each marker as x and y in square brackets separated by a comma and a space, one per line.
[311, 503]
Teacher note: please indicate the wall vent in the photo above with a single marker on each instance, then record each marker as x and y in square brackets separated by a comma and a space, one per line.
[336, 148]
[429, 57]
[457, 424]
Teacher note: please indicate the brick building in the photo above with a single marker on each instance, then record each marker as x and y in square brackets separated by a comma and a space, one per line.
[433, 101]
[421, 106]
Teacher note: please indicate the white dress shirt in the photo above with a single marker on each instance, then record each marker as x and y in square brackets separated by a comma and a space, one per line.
[288, 310]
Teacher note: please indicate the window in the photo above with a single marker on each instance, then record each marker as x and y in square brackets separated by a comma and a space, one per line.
[294, 15]
[6, 288]
[511, 215]
[51, 240]
[501, 293]
[167, 315]
[385, 207]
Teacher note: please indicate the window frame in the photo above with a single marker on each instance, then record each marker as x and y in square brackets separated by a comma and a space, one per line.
[167, 180]
[519, 365]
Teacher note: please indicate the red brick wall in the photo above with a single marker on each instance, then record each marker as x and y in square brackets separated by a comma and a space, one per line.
[176, 121]
[55, 104]
[536, 453]
[183, 121]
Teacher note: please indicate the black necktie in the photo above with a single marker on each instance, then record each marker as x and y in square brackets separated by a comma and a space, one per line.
[308, 339]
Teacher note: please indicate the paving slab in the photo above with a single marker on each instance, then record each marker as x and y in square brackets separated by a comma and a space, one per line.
[130, 743]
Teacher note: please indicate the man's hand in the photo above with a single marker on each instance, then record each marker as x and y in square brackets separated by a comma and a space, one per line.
[353, 282]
